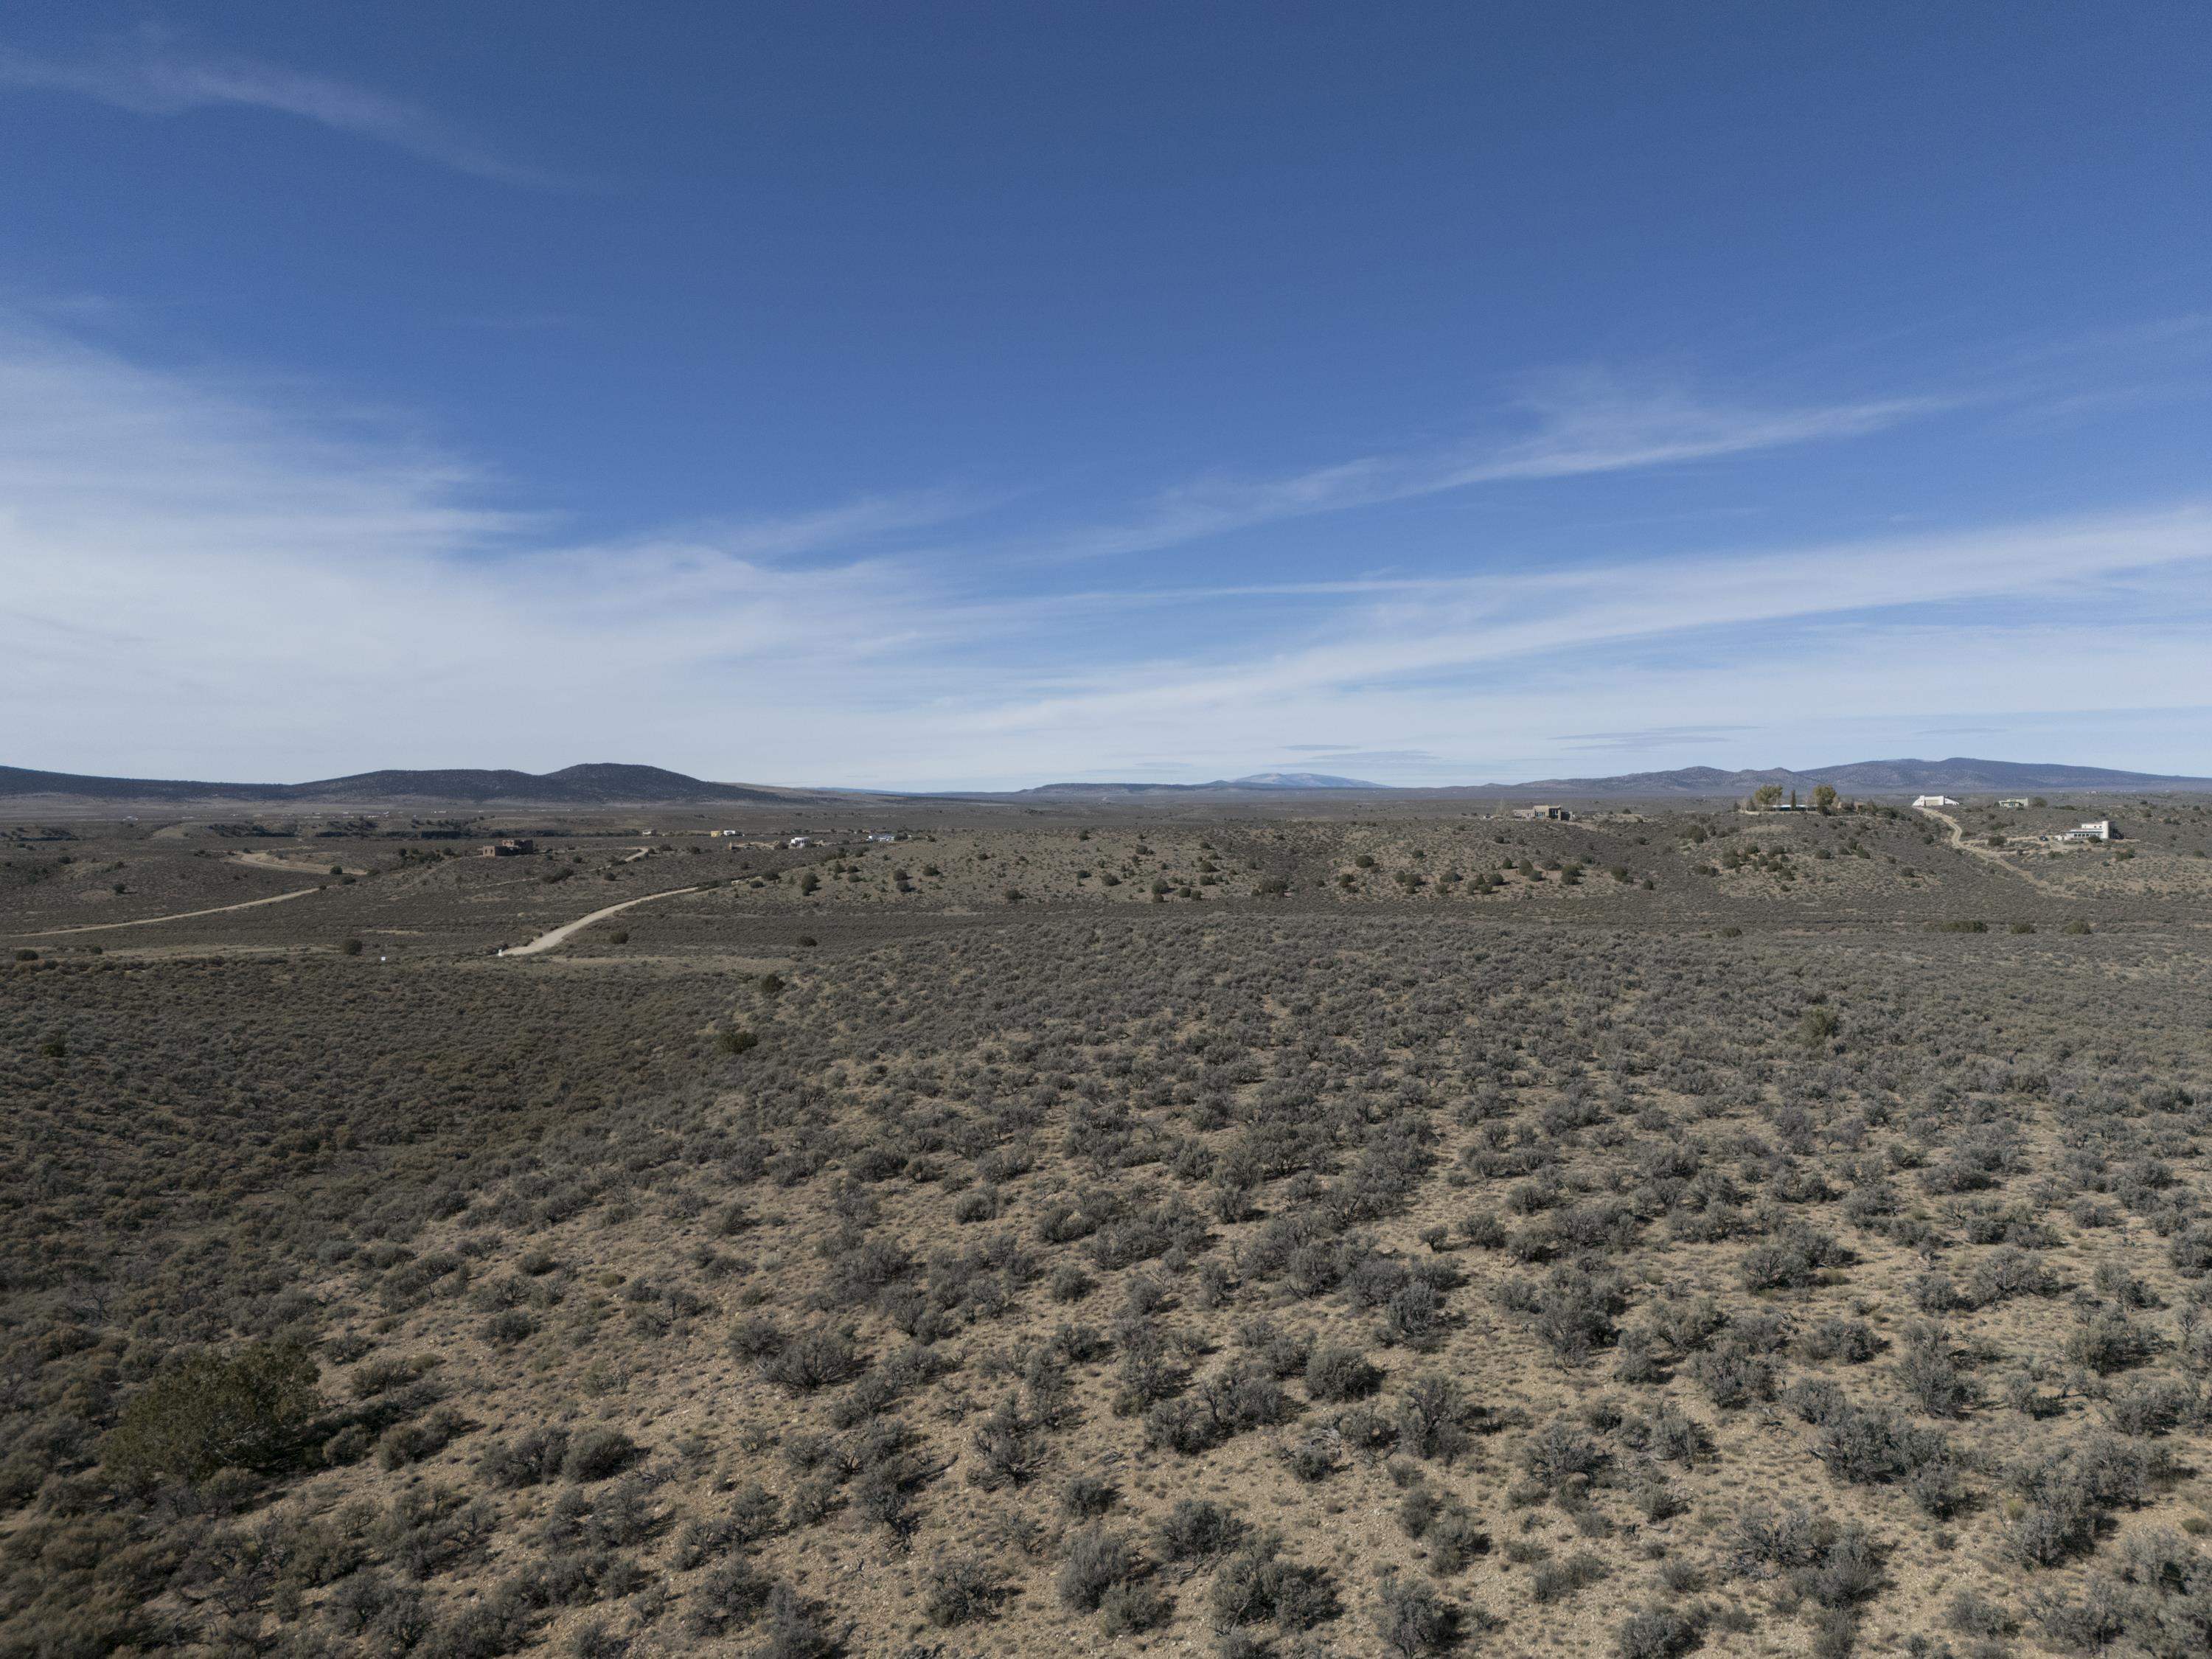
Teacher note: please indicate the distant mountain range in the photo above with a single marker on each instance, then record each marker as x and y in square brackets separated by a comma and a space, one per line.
[1299, 781]
[607, 784]
[602, 784]
[1958, 776]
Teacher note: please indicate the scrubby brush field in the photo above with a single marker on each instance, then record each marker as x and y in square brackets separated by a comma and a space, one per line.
[1308, 1262]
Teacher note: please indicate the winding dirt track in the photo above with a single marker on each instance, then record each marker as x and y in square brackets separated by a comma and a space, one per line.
[1959, 841]
[567, 929]
[174, 915]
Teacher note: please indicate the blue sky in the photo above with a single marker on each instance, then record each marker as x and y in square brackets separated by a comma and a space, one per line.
[983, 395]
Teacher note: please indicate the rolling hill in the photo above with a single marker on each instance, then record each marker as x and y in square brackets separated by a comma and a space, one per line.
[600, 784]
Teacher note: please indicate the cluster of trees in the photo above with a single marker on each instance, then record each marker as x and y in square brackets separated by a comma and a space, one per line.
[1767, 796]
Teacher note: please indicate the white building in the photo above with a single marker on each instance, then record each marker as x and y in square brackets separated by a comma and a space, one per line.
[881, 834]
[1933, 801]
[2015, 805]
[800, 840]
[2095, 829]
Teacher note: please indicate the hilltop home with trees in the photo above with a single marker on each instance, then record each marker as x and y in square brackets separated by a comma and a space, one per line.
[1767, 798]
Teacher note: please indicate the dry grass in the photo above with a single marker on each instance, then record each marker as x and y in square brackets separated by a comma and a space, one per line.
[1219, 1274]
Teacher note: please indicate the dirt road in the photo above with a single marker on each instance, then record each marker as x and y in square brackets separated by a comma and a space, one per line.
[1959, 839]
[175, 915]
[296, 865]
[569, 929]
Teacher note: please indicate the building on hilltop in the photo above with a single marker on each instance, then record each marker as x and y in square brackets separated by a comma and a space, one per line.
[1933, 801]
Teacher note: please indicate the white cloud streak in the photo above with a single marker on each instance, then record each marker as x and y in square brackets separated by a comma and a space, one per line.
[148, 77]
[1427, 628]
[1579, 425]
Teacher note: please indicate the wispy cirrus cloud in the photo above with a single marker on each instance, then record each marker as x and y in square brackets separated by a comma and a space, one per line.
[1590, 422]
[151, 76]
[1450, 629]
[865, 519]
[1571, 425]
[1651, 737]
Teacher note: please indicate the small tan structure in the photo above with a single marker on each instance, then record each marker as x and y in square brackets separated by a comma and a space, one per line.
[512, 847]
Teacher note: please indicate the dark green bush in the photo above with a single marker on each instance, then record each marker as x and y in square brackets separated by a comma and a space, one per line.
[597, 1453]
[212, 1411]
